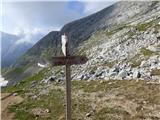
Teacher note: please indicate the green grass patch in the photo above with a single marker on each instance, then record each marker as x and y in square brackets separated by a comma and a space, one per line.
[130, 34]
[26, 83]
[146, 52]
[109, 113]
[21, 114]
[110, 64]
[135, 61]
[54, 102]
[116, 29]
[144, 26]
[132, 91]
[13, 72]
[83, 100]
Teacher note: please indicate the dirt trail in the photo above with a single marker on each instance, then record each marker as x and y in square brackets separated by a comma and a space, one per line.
[7, 100]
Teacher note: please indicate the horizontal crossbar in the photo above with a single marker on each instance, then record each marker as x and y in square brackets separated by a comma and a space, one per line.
[69, 60]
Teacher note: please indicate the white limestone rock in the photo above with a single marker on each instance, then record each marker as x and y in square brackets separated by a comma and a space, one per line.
[136, 74]
[144, 64]
[154, 48]
[122, 74]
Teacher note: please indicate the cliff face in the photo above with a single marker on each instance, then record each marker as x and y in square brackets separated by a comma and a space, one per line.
[124, 24]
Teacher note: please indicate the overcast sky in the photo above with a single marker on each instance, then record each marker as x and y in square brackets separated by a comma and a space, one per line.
[39, 16]
[32, 18]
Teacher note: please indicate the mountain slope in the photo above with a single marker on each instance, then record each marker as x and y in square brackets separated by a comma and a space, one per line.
[10, 50]
[106, 37]
[80, 30]
[7, 40]
[121, 80]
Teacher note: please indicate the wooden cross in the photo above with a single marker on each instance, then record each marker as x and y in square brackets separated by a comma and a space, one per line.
[68, 60]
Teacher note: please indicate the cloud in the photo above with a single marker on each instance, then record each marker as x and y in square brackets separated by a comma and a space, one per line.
[30, 36]
[28, 15]
[40, 17]
[33, 19]
[91, 7]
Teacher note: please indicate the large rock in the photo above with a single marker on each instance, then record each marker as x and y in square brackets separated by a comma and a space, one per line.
[136, 74]
[144, 64]
[79, 77]
[154, 59]
[45, 81]
[99, 74]
[115, 69]
[33, 84]
[154, 48]
[122, 74]
[112, 74]
[52, 78]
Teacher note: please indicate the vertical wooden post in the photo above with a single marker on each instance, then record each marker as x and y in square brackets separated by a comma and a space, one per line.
[68, 92]
[68, 85]
[68, 60]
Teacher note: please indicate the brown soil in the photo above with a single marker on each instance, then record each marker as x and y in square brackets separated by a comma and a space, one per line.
[7, 100]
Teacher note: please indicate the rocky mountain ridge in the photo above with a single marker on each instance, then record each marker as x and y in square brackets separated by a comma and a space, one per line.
[116, 39]
[131, 52]
[80, 30]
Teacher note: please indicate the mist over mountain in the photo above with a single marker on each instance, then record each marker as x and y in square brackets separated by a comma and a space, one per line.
[7, 41]
[13, 46]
